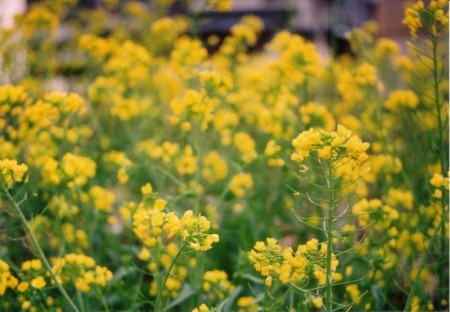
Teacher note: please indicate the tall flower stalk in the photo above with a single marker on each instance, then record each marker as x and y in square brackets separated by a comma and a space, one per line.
[159, 230]
[428, 24]
[10, 173]
[337, 157]
[329, 234]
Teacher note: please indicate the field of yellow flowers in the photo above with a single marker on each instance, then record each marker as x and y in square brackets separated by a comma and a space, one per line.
[138, 172]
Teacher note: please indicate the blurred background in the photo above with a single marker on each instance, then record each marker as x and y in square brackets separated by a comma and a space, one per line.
[318, 20]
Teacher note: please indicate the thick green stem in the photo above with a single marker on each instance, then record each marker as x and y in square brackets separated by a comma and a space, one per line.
[38, 248]
[329, 233]
[166, 277]
[438, 107]
[443, 159]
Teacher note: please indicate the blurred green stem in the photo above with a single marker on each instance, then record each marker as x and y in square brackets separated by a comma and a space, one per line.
[329, 233]
[443, 278]
[38, 248]
[103, 299]
[80, 300]
[266, 298]
[166, 277]
[436, 82]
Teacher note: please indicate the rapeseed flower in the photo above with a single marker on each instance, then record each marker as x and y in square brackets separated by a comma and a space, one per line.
[11, 172]
[240, 183]
[344, 152]
[399, 99]
[433, 15]
[215, 168]
[194, 231]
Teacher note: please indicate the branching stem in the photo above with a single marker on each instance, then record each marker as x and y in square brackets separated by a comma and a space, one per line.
[166, 277]
[330, 220]
[38, 248]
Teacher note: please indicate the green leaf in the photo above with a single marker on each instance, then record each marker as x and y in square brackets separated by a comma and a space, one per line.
[225, 305]
[253, 278]
[187, 292]
[120, 273]
[377, 294]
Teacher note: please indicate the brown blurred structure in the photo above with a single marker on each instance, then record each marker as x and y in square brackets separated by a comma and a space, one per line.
[315, 18]
[389, 15]
[318, 20]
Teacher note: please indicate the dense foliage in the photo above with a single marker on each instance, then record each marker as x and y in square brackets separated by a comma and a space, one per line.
[139, 172]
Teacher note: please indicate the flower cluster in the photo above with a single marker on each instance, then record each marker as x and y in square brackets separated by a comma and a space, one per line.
[82, 271]
[273, 260]
[440, 184]
[11, 172]
[195, 231]
[84, 111]
[434, 15]
[307, 263]
[216, 285]
[240, 183]
[7, 279]
[399, 99]
[343, 150]
[160, 232]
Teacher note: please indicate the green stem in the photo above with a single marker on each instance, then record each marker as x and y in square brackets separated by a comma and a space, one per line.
[103, 299]
[291, 300]
[38, 248]
[329, 233]
[136, 291]
[266, 298]
[166, 277]
[171, 176]
[444, 167]
[80, 301]
[438, 107]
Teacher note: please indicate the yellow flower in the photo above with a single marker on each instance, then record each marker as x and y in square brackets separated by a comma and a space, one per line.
[26, 305]
[385, 47]
[11, 172]
[22, 287]
[202, 308]
[103, 199]
[186, 163]
[366, 74]
[240, 183]
[317, 301]
[325, 152]
[221, 5]
[215, 168]
[77, 169]
[38, 282]
[399, 99]
[244, 302]
[146, 189]
[122, 175]
[187, 55]
[340, 148]
[354, 293]
[194, 230]
[246, 146]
